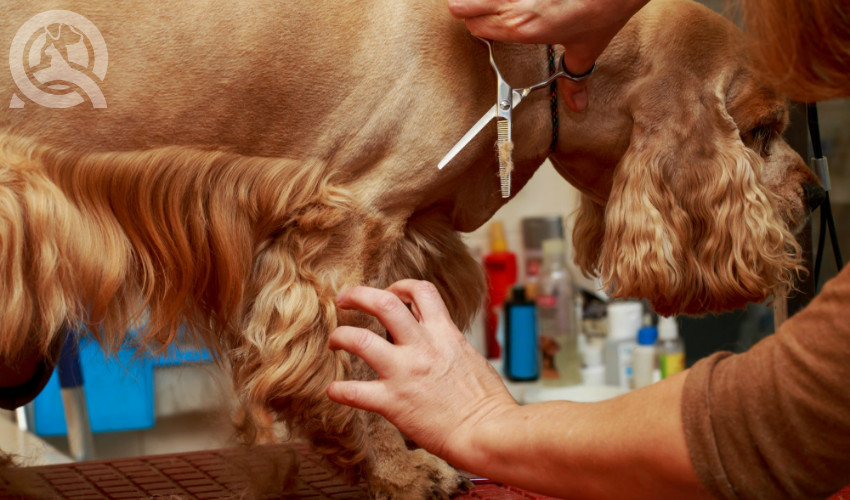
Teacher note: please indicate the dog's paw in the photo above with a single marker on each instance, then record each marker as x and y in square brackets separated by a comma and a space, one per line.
[445, 479]
[423, 477]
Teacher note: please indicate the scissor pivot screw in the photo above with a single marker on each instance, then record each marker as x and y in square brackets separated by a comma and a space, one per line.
[505, 105]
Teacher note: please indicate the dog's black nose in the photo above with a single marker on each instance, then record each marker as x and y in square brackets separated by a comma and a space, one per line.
[814, 195]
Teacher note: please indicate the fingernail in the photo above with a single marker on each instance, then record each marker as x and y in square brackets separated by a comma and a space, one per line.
[330, 390]
[341, 295]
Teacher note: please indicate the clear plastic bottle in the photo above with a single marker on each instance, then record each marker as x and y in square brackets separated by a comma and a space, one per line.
[671, 349]
[556, 318]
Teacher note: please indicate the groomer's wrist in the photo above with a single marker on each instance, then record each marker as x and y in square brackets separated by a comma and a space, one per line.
[477, 447]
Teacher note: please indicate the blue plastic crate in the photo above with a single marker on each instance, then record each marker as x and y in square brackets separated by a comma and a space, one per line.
[180, 356]
[119, 389]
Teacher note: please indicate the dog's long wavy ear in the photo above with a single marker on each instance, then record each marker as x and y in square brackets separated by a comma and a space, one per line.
[688, 224]
[588, 234]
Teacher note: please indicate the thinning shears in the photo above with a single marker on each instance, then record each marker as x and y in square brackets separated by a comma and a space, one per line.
[507, 99]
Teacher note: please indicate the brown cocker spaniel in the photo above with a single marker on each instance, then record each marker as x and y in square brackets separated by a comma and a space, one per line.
[255, 158]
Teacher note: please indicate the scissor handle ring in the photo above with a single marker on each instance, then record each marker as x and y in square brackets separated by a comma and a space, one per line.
[576, 78]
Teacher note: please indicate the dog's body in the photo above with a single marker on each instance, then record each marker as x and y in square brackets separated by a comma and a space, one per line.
[256, 158]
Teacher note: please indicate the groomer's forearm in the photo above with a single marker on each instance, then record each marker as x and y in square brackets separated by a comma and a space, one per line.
[629, 447]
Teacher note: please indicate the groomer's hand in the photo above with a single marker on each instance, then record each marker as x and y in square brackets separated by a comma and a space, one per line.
[583, 27]
[432, 383]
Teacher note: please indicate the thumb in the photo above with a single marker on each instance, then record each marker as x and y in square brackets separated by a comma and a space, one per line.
[574, 91]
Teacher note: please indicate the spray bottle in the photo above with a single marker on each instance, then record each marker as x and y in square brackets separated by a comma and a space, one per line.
[500, 265]
[556, 323]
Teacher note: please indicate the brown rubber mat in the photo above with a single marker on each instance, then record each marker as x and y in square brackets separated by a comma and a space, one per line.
[216, 474]
[258, 473]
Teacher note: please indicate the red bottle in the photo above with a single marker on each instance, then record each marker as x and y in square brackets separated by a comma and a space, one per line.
[500, 265]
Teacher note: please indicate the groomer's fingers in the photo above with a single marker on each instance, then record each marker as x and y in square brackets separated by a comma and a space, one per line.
[427, 303]
[506, 20]
[578, 60]
[384, 305]
[374, 350]
[498, 28]
[369, 396]
[464, 9]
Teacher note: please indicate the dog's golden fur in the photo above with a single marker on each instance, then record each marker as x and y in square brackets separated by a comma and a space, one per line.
[236, 196]
[246, 252]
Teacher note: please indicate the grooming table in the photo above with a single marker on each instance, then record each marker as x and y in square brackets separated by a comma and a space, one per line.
[214, 474]
[218, 474]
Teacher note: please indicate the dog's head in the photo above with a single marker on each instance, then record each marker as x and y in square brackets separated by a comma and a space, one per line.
[698, 212]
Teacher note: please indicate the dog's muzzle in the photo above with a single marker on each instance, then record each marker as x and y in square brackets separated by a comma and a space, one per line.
[814, 196]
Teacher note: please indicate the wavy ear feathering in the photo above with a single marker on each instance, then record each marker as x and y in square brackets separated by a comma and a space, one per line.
[688, 224]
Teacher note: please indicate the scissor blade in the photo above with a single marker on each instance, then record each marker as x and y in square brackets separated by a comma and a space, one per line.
[472, 132]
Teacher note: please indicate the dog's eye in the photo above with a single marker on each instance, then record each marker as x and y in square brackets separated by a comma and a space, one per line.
[758, 139]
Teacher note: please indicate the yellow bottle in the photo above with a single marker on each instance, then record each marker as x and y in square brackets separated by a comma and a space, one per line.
[671, 349]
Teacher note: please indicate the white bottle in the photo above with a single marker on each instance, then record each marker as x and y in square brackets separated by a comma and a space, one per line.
[624, 320]
[671, 349]
[555, 318]
[643, 356]
[593, 368]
